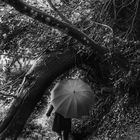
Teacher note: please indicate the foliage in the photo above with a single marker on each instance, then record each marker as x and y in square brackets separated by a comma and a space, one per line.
[23, 40]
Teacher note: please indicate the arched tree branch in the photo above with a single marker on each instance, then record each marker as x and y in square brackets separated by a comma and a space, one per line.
[47, 71]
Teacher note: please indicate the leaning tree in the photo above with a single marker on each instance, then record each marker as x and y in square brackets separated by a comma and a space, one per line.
[103, 60]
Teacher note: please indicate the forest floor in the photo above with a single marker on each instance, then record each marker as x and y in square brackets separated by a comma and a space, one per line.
[116, 127]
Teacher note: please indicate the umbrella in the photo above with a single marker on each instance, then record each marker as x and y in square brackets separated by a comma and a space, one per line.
[72, 98]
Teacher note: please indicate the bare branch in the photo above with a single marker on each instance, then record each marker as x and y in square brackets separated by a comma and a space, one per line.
[58, 12]
[124, 5]
[104, 25]
[133, 20]
[114, 6]
[8, 95]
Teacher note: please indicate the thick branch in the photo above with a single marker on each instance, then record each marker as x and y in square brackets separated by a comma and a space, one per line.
[8, 95]
[37, 14]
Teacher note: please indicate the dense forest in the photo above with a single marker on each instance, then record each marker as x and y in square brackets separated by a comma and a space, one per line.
[44, 41]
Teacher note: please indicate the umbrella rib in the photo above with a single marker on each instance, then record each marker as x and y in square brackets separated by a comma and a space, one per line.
[84, 94]
[61, 108]
[60, 102]
[75, 106]
[68, 107]
[62, 97]
[58, 95]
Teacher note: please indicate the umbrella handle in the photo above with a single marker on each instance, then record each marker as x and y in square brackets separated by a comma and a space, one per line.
[50, 109]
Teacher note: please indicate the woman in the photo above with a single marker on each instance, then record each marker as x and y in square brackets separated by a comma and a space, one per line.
[61, 125]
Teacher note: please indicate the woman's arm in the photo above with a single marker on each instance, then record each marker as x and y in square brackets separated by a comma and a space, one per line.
[50, 109]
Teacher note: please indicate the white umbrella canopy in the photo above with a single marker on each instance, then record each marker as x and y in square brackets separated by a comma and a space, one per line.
[72, 98]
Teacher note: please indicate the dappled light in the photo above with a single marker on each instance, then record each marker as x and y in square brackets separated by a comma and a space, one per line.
[44, 43]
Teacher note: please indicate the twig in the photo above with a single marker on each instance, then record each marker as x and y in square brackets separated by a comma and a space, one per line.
[114, 5]
[20, 87]
[58, 12]
[133, 20]
[104, 25]
[9, 83]
[8, 95]
[125, 5]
